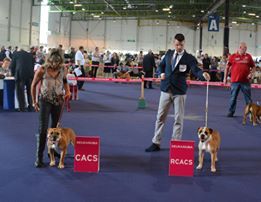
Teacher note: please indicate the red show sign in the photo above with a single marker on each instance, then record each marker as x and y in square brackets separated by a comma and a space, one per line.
[181, 158]
[87, 154]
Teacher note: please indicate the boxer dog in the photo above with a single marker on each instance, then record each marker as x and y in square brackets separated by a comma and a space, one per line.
[59, 138]
[254, 112]
[209, 140]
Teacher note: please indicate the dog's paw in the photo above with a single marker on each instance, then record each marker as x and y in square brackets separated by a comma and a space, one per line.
[52, 163]
[213, 170]
[199, 167]
[60, 166]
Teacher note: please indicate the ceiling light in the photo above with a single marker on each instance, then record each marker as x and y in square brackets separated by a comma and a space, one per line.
[166, 9]
[102, 13]
[124, 8]
[244, 12]
[223, 18]
[169, 12]
[83, 9]
[169, 16]
[71, 2]
[252, 14]
[171, 6]
[234, 22]
[156, 11]
[193, 16]
[252, 23]
[96, 16]
[243, 6]
[202, 11]
[77, 5]
[257, 16]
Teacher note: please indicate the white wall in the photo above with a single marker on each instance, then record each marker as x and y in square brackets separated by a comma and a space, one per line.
[135, 35]
[19, 23]
[128, 35]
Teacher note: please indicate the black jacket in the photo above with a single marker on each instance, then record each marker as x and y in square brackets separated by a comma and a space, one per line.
[176, 80]
[22, 66]
[148, 63]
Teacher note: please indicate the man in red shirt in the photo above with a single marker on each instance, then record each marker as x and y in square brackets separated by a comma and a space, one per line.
[241, 68]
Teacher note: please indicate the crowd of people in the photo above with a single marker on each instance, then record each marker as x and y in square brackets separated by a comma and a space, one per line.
[82, 63]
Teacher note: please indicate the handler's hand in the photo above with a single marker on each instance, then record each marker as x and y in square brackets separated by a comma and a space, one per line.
[162, 76]
[67, 95]
[36, 107]
[206, 76]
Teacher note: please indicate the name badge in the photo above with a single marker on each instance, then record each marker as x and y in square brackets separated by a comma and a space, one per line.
[182, 68]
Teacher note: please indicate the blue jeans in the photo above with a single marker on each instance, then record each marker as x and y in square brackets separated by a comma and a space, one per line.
[246, 90]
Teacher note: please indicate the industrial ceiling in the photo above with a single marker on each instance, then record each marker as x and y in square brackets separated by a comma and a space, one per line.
[240, 11]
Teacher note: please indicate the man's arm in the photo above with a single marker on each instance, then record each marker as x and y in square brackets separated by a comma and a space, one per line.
[196, 71]
[12, 66]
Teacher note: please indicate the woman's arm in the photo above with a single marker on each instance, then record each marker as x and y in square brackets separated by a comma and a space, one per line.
[37, 77]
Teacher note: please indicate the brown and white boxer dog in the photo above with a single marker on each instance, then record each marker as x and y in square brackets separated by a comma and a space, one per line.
[61, 138]
[254, 112]
[209, 140]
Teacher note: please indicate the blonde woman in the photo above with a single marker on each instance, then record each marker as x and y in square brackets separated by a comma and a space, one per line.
[53, 83]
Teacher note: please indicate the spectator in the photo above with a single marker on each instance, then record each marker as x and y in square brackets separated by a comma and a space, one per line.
[241, 67]
[79, 64]
[22, 68]
[148, 66]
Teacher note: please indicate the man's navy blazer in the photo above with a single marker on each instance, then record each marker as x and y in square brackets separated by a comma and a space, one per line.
[176, 80]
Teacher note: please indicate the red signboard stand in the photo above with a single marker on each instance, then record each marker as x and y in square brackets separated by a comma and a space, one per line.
[181, 158]
[87, 154]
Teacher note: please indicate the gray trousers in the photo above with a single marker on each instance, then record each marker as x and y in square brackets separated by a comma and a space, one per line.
[178, 102]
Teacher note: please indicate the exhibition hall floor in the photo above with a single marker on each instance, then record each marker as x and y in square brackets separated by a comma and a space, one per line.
[127, 172]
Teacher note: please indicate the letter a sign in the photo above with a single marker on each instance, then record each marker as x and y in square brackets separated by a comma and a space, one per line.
[213, 23]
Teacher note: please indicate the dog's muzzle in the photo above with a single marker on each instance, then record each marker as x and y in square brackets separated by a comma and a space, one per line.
[202, 137]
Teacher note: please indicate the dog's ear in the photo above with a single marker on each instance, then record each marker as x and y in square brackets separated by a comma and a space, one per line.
[210, 130]
[199, 129]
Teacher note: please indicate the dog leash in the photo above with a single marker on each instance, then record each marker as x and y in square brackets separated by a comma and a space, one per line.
[206, 114]
[60, 115]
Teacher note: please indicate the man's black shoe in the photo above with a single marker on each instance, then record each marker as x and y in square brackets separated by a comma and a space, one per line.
[230, 114]
[153, 148]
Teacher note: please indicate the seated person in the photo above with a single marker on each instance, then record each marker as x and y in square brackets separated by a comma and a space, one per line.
[122, 72]
[4, 70]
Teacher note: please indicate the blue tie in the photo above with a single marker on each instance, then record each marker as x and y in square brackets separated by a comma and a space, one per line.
[174, 61]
